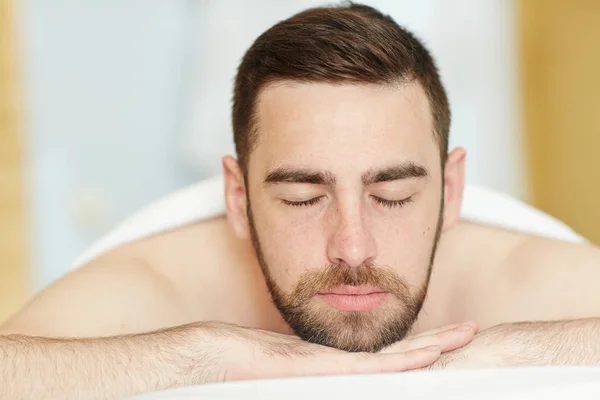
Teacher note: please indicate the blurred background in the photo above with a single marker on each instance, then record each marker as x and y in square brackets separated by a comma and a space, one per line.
[108, 105]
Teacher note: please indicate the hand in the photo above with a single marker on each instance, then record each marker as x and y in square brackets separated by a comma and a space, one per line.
[499, 346]
[449, 338]
[256, 354]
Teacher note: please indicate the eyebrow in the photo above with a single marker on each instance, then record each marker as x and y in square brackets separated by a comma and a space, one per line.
[289, 175]
[387, 174]
[395, 173]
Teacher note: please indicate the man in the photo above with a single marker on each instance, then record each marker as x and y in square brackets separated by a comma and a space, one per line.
[342, 250]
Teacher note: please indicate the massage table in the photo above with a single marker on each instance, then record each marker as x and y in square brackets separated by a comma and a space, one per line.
[205, 200]
[531, 383]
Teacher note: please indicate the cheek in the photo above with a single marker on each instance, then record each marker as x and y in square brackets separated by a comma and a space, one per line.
[406, 237]
[290, 244]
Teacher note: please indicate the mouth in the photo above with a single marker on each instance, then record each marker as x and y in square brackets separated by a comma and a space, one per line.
[354, 298]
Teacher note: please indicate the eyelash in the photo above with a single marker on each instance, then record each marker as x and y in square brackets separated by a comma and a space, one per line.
[305, 203]
[383, 202]
[392, 203]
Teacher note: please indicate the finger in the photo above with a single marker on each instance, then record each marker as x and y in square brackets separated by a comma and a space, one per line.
[398, 362]
[445, 328]
[364, 363]
[448, 340]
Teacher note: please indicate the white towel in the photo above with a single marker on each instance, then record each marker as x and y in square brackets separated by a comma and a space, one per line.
[206, 200]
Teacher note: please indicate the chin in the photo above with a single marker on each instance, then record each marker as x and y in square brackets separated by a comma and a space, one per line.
[354, 331]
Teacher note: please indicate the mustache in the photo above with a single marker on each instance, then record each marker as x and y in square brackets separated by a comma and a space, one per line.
[314, 281]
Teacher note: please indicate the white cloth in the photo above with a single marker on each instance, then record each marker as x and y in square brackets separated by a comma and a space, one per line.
[548, 383]
[206, 199]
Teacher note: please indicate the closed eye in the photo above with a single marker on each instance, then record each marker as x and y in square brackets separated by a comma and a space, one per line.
[392, 203]
[304, 203]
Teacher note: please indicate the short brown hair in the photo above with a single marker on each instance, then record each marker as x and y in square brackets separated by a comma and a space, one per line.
[351, 43]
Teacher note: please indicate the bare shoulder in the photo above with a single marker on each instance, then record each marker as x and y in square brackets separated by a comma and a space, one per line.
[111, 295]
[494, 276]
[546, 279]
[138, 287]
[193, 273]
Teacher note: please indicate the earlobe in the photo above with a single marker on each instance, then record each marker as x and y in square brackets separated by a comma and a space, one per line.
[235, 197]
[454, 182]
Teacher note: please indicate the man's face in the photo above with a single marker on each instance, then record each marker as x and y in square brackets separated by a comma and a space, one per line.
[344, 206]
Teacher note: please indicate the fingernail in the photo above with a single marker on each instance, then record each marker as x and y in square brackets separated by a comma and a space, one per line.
[465, 327]
[432, 348]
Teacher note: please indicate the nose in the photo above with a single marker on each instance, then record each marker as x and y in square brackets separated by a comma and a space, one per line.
[350, 241]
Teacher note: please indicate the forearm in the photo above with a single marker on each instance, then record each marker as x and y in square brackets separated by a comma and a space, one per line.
[97, 368]
[575, 342]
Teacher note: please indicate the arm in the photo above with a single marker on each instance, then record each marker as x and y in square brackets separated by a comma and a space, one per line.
[124, 366]
[103, 368]
[575, 342]
[550, 343]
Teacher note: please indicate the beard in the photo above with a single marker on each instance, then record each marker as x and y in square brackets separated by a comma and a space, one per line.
[354, 331]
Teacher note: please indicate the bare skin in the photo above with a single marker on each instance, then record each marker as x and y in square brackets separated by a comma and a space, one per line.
[481, 273]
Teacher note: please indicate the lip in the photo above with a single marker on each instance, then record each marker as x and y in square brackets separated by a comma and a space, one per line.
[354, 298]
[347, 290]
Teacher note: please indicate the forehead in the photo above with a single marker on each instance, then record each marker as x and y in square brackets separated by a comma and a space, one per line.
[341, 127]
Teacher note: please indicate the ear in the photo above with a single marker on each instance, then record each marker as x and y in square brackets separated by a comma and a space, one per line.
[454, 183]
[235, 197]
